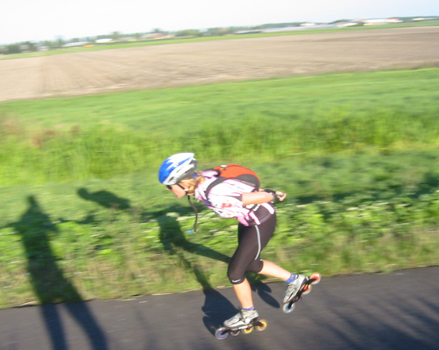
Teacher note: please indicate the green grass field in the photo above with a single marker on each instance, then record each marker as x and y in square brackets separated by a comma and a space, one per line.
[82, 215]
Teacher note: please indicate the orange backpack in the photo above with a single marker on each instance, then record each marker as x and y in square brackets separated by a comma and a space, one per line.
[236, 172]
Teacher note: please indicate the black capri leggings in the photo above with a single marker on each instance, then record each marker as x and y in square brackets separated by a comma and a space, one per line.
[251, 241]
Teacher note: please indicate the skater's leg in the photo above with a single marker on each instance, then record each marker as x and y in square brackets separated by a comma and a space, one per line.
[294, 282]
[244, 294]
[247, 313]
[252, 239]
[271, 269]
[246, 258]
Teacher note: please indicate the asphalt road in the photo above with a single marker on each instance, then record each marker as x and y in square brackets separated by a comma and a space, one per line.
[399, 310]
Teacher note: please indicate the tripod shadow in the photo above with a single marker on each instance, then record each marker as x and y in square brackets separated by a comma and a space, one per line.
[48, 281]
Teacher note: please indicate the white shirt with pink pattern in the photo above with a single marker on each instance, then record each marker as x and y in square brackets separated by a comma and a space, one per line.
[225, 199]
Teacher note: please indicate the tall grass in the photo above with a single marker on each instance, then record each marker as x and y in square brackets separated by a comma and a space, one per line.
[107, 151]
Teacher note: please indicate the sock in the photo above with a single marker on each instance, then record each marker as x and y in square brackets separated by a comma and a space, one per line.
[291, 279]
[248, 309]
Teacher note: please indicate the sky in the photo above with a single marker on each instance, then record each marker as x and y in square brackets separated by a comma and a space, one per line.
[24, 20]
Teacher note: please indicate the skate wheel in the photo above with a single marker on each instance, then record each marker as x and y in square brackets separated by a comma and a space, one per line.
[306, 289]
[287, 308]
[262, 324]
[221, 333]
[316, 277]
[248, 330]
[235, 333]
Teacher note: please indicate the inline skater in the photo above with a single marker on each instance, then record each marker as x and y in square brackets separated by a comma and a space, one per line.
[241, 198]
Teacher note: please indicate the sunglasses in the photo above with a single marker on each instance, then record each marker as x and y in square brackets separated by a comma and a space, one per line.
[169, 187]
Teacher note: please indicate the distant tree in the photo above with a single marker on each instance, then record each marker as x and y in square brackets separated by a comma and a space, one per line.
[219, 31]
[116, 35]
[59, 42]
[32, 46]
[188, 32]
[49, 44]
[13, 48]
[340, 21]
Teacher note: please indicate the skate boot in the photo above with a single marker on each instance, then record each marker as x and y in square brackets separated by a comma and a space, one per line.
[244, 321]
[242, 318]
[294, 287]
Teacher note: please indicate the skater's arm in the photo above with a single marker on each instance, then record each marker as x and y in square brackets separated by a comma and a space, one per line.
[262, 197]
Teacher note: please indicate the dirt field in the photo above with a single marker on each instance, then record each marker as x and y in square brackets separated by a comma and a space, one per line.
[153, 67]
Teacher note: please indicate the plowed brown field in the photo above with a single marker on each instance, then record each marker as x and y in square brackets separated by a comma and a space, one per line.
[152, 67]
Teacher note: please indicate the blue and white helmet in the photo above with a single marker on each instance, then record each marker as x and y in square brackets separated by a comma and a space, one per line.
[176, 168]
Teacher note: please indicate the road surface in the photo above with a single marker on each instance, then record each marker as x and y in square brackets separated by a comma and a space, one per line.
[399, 310]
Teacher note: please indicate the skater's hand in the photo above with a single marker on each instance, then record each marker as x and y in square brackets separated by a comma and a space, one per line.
[278, 196]
[281, 196]
[262, 196]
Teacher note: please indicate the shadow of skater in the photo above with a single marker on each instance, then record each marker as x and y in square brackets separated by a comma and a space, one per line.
[173, 238]
[263, 291]
[216, 307]
[48, 282]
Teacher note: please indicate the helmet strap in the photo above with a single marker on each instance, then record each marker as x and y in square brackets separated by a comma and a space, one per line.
[196, 213]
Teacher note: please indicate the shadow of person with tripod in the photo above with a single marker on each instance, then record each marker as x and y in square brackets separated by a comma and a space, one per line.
[48, 281]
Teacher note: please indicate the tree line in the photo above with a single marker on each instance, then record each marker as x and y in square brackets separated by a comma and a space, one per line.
[29, 46]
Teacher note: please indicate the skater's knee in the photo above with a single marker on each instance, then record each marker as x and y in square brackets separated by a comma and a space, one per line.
[235, 275]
